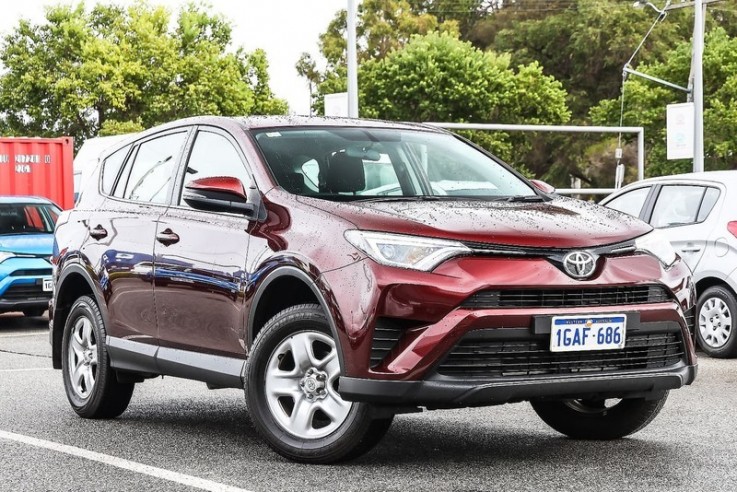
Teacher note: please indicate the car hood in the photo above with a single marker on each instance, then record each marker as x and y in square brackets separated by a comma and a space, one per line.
[557, 223]
[28, 244]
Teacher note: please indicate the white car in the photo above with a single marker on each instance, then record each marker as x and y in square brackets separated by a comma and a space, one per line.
[698, 214]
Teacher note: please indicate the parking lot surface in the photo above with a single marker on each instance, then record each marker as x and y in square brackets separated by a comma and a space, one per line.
[177, 435]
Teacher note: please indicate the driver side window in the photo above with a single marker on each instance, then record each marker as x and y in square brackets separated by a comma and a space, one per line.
[214, 155]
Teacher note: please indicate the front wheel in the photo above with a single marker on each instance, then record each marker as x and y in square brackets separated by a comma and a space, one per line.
[599, 419]
[292, 379]
[715, 328]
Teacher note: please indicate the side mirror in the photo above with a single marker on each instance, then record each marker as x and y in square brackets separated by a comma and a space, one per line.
[218, 194]
[542, 186]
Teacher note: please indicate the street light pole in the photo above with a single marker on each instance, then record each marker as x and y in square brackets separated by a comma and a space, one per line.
[698, 86]
[352, 61]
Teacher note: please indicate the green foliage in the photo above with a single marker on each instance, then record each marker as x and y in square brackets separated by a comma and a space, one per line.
[585, 43]
[645, 104]
[437, 77]
[115, 69]
[382, 26]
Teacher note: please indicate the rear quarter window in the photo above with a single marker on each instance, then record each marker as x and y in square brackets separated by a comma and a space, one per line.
[111, 169]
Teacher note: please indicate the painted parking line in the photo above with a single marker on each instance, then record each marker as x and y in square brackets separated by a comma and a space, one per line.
[189, 480]
[28, 369]
[26, 335]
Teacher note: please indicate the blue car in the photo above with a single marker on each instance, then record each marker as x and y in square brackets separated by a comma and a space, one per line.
[26, 240]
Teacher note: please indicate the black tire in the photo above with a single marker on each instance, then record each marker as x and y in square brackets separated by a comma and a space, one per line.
[589, 419]
[107, 398]
[706, 336]
[356, 435]
[34, 313]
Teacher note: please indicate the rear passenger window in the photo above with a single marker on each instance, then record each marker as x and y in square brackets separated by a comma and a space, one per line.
[111, 168]
[152, 170]
[677, 205]
[707, 204]
[631, 202]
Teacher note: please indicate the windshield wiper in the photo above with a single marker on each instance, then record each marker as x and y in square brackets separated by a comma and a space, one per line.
[523, 198]
[414, 198]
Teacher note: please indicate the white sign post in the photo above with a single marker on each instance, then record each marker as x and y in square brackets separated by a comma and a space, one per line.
[680, 123]
[336, 104]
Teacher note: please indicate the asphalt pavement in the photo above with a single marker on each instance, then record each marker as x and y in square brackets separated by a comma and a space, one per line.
[177, 435]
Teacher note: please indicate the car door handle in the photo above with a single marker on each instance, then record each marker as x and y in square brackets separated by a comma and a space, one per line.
[167, 237]
[692, 249]
[98, 232]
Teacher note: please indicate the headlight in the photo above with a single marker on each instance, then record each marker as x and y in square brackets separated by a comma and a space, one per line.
[656, 244]
[4, 255]
[417, 253]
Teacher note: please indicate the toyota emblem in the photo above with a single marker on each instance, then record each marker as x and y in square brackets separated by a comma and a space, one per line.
[579, 264]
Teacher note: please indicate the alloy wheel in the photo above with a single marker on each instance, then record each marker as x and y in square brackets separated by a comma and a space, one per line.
[301, 384]
[715, 322]
[82, 365]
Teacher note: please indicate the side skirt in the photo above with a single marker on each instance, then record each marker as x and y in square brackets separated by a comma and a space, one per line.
[137, 357]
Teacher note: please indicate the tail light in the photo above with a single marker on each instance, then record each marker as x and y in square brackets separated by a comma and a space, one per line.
[732, 227]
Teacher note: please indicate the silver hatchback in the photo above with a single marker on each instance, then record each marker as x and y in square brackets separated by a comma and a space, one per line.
[697, 212]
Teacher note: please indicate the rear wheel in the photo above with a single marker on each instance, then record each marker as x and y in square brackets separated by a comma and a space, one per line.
[715, 322]
[91, 384]
[292, 380]
[599, 419]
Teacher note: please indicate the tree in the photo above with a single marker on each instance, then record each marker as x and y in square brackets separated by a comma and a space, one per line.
[382, 26]
[645, 104]
[585, 45]
[115, 69]
[438, 77]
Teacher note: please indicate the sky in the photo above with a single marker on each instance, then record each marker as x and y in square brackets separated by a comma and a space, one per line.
[283, 28]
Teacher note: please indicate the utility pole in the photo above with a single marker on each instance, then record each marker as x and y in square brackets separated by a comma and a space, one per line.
[352, 61]
[696, 82]
[695, 89]
[697, 61]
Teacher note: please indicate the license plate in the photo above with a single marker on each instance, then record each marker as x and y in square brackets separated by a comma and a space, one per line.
[582, 333]
[48, 286]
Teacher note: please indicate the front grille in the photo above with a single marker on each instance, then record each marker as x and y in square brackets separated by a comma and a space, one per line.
[567, 298]
[35, 272]
[478, 358]
[25, 292]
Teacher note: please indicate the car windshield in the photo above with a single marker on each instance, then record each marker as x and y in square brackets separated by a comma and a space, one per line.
[373, 163]
[27, 218]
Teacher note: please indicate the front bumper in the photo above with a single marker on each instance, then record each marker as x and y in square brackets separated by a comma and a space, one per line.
[443, 393]
[7, 306]
[21, 284]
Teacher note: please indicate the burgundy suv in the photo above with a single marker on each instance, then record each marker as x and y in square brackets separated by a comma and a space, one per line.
[344, 271]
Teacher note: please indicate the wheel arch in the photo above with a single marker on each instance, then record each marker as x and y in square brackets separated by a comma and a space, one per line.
[74, 282]
[303, 288]
[707, 282]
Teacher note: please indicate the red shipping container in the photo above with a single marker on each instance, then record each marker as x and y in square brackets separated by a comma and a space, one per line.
[38, 167]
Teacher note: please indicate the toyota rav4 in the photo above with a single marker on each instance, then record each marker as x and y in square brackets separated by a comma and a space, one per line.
[344, 271]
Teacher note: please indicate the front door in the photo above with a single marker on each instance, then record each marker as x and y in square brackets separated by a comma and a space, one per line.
[200, 260]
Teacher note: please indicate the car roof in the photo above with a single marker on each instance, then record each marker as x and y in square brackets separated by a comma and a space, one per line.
[725, 177]
[257, 122]
[8, 199]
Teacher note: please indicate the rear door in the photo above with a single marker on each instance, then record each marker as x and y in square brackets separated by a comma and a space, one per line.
[200, 258]
[138, 181]
[681, 211]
